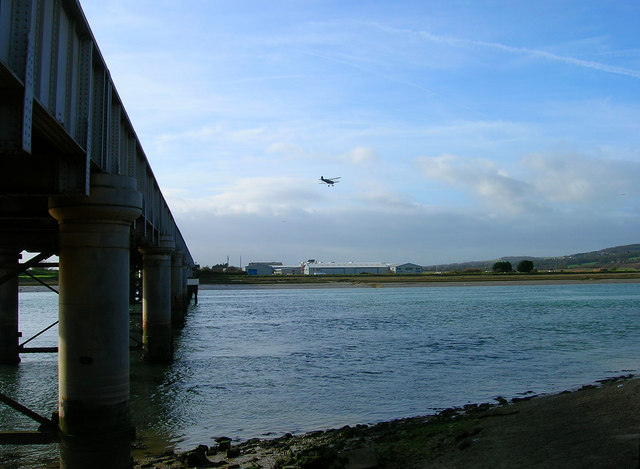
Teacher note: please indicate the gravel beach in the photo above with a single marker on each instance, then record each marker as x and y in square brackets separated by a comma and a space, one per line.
[595, 426]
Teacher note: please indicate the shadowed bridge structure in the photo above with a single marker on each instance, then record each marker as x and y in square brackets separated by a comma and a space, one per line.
[75, 182]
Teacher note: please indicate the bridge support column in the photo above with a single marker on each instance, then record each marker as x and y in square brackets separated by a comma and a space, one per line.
[93, 358]
[185, 282]
[178, 305]
[157, 338]
[9, 308]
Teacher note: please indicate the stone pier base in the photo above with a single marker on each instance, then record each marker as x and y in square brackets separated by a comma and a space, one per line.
[93, 358]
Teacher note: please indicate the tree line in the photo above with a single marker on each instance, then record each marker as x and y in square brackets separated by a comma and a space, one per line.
[524, 266]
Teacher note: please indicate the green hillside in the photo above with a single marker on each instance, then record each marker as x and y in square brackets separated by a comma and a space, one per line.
[615, 258]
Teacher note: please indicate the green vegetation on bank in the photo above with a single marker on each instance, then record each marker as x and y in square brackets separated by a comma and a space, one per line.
[216, 278]
[48, 276]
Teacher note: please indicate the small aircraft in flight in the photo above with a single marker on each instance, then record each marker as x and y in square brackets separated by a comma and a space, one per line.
[329, 181]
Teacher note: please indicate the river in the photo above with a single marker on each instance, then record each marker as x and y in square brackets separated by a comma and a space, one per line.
[263, 362]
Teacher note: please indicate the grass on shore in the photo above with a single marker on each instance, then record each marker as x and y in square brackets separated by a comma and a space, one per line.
[50, 277]
[373, 280]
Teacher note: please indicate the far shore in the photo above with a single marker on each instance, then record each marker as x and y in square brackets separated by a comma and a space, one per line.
[399, 284]
[395, 282]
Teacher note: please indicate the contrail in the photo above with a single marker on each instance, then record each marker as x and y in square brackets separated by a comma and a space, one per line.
[352, 63]
[465, 43]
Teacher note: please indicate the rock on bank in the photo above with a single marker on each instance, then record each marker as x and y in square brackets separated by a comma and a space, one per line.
[596, 426]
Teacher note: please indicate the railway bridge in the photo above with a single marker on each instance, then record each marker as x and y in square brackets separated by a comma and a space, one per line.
[75, 183]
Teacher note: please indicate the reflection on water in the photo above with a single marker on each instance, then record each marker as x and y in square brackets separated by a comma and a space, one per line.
[95, 453]
[264, 362]
[33, 383]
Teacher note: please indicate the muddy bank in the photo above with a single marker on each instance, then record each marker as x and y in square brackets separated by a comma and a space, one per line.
[596, 426]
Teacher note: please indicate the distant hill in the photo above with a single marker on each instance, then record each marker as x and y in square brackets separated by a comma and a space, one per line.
[619, 257]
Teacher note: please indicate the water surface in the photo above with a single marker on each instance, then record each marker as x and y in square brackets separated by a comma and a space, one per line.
[261, 362]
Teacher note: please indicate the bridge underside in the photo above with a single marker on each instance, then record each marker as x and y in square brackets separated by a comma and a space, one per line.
[75, 182]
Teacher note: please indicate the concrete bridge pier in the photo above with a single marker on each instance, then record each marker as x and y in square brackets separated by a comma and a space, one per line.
[186, 272]
[9, 335]
[157, 338]
[178, 290]
[93, 358]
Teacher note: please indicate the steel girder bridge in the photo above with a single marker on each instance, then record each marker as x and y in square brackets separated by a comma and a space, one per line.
[75, 183]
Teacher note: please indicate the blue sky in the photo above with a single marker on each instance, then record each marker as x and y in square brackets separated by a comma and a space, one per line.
[462, 130]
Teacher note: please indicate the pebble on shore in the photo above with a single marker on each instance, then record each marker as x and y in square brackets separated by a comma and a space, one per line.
[605, 417]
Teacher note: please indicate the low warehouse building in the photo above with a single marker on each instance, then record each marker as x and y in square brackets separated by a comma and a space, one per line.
[407, 268]
[351, 268]
[288, 270]
[261, 268]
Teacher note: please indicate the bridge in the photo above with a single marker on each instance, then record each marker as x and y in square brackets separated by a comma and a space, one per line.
[76, 183]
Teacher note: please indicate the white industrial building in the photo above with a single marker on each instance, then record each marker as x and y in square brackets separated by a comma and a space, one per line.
[287, 270]
[312, 267]
[350, 268]
[407, 268]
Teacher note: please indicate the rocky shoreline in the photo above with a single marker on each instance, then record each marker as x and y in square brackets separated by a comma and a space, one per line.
[595, 426]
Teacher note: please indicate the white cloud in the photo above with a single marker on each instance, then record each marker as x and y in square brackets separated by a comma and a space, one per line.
[382, 200]
[290, 150]
[575, 179]
[425, 236]
[481, 178]
[360, 155]
[548, 182]
[248, 135]
[355, 156]
[264, 196]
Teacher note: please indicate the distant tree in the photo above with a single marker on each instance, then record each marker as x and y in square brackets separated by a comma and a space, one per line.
[219, 267]
[502, 266]
[525, 266]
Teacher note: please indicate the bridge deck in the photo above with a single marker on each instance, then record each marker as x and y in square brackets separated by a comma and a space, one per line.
[61, 119]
